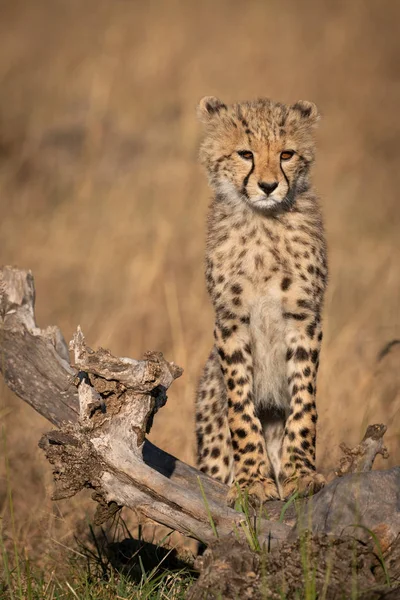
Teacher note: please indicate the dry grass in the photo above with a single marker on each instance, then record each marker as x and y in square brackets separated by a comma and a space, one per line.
[102, 197]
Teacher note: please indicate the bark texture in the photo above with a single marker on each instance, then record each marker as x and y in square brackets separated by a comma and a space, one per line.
[104, 406]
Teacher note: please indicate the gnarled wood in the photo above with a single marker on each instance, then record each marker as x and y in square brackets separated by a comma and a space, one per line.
[103, 423]
[361, 458]
[34, 362]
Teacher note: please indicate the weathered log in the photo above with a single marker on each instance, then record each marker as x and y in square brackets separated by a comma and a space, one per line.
[34, 362]
[356, 505]
[104, 406]
[104, 451]
[101, 443]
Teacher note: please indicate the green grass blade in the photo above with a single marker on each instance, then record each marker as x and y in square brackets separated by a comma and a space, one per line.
[288, 503]
[207, 506]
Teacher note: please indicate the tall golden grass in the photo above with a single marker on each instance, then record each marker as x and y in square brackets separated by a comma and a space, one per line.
[101, 195]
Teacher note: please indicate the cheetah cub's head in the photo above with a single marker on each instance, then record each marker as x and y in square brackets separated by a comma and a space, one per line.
[258, 152]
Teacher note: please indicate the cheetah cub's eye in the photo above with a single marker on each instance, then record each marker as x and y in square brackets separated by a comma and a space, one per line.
[246, 154]
[287, 154]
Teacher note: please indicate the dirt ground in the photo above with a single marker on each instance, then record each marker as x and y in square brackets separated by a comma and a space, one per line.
[101, 195]
[230, 570]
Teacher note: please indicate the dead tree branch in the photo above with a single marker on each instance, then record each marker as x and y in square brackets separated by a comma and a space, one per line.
[361, 458]
[101, 443]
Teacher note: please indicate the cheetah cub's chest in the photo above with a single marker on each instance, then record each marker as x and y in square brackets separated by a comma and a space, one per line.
[259, 262]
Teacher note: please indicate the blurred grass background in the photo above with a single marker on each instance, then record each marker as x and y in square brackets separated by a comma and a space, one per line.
[101, 195]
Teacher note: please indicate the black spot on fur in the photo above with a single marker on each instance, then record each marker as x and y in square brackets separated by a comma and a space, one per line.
[305, 111]
[249, 447]
[309, 464]
[314, 356]
[311, 329]
[241, 433]
[298, 452]
[236, 289]
[199, 436]
[236, 358]
[304, 304]
[226, 332]
[286, 283]
[231, 384]
[301, 354]
[221, 353]
[295, 316]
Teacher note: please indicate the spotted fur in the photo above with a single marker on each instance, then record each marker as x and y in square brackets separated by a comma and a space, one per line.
[266, 272]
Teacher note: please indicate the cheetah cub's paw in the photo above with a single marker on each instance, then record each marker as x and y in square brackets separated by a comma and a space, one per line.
[305, 485]
[257, 490]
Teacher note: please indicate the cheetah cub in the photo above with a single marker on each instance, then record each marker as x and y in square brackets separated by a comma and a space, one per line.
[266, 273]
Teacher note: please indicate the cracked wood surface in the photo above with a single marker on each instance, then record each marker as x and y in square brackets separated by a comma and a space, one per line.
[103, 423]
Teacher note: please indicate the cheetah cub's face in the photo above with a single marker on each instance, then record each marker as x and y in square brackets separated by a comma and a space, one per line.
[258, 152]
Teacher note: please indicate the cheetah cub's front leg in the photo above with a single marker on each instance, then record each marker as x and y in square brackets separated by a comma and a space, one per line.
[252, 469]
[298, 451]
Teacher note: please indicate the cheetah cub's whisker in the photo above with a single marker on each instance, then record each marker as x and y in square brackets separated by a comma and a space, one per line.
[266, 272]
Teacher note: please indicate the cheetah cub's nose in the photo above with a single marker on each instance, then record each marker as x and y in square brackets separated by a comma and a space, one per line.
[268, 187]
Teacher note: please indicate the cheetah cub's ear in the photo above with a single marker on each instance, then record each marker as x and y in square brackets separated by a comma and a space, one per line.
[306, 111]
[209, 107]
